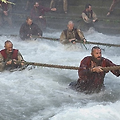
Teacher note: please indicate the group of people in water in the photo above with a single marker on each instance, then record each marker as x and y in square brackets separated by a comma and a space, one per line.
[91, 72]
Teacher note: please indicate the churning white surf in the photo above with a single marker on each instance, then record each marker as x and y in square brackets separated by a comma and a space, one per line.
[39, 93]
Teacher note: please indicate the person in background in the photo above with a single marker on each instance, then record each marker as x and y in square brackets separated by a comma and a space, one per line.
[38, 13]
[10, 58]
[5, 13]
[91, 74]
[28, 29]
[114, 3]
[65, 4]
[88, 15]
[71, 34]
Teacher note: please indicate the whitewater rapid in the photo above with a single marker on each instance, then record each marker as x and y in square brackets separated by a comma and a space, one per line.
[39, 93]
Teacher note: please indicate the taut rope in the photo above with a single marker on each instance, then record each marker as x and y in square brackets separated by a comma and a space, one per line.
[70, 67]
[111, 68]
[52, 66]
[87, 42]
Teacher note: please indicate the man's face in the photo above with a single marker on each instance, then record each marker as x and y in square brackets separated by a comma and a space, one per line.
[9, 47]
[29, 21]
[70, 26]
[36, 4]
[96, 53]
[90, 8]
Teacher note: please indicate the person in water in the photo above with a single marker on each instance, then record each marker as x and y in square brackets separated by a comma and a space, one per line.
[91, 74]
[89, 16]
[10, 58]
[29, 29]
[71, 34]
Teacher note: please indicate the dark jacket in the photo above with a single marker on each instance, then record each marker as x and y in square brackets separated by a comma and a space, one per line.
[91, 81]
[27, 30]
[40, 11]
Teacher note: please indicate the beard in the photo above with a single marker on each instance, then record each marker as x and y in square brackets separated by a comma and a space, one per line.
[97, 61]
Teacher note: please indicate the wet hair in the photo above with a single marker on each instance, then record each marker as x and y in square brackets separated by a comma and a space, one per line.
[70, 22]
[8, 41]
[95, 47]
[28, 18]
[87, 6]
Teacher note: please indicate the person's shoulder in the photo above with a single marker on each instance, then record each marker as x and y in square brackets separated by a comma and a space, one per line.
[23, 24]
[87, 58]
[105, 59]
[34, 24]
[2, 50]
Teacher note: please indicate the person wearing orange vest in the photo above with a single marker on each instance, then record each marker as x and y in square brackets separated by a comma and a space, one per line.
[10, 58]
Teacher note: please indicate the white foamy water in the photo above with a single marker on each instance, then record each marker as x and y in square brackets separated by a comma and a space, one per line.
[43, 93]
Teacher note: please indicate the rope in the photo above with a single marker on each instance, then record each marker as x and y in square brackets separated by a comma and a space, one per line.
[111, 68]
[70, 67]
[87, 42]
[52, 66]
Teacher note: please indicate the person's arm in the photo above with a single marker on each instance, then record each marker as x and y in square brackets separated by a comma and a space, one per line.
[23, 32]
[20, 60]
[39, 31]
[85, 18]
[2, 63]
[94, 17]
[110, 63]
[81, 35]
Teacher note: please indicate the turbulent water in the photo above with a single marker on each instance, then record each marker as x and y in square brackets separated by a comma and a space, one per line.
[39, 93]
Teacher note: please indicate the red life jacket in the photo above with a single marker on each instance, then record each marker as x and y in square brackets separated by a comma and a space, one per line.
[14, 54]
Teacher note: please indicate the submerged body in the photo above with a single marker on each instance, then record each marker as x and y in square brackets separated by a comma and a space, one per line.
[91, 76]
[10, 58]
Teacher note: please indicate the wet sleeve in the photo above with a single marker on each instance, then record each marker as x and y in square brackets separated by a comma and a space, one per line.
[20, 58]
[85, 18]
[80, 33]
[39, 31]
[84, 69]
[94, 16]
[115, 72]
[22, 33]
[2, 63]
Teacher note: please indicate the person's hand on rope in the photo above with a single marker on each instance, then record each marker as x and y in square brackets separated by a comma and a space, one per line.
[97, 69]
[73, 40]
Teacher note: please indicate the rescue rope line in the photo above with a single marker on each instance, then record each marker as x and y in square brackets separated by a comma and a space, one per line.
[111, 68]
[69, 67]
[52, 66]
[87, 42]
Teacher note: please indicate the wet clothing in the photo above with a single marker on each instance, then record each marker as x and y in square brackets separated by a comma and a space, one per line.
[67, 34]
[39, 11]
[27, 30]
[4, 57]
[89, 81]
[65, 4]
[89, 15]
[5, 18]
